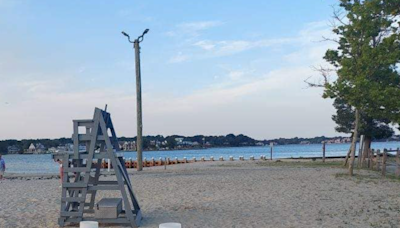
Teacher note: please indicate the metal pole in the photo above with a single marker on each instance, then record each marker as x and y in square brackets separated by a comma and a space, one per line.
[323, 152]
[139, 147]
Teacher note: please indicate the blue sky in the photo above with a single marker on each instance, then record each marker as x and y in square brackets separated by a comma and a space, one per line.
[208, 67]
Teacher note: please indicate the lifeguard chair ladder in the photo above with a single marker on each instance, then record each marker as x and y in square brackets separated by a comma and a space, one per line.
[81, 174]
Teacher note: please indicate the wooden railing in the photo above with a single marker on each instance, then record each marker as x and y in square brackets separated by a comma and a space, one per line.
[380, 161]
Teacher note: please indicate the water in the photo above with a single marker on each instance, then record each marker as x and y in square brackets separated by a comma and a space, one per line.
[43, 163]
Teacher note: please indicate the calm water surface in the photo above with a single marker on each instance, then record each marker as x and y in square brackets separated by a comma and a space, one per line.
[42, 163]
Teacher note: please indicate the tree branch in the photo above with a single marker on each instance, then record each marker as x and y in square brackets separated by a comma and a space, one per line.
[326, 75]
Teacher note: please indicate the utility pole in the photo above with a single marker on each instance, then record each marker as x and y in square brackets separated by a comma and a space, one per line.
[139, 139]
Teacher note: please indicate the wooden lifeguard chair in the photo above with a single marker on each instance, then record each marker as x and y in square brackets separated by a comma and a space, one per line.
[81, 170]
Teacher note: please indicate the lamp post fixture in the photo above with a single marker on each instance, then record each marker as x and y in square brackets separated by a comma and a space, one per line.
[139, 141]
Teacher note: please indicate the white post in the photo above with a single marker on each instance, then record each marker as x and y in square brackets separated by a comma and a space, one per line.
[109, 165]
[170, 225]
[88, 224]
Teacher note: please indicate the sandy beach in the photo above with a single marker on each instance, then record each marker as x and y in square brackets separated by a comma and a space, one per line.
[229, 194]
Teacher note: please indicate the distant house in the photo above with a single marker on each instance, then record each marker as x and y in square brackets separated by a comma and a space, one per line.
[31, 148]
[69, 147]
[347, 140]
[259, 144]
[125, 146]
[13, 149]
[40, 148]
[60, 149]
[128, 146]
[52, 150]
[186, 143]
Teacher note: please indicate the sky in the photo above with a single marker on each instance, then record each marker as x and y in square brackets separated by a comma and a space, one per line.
[208, 67]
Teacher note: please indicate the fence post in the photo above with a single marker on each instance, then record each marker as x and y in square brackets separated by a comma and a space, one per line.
[398, 163]
[323, 152]
[378, 156]
[384, 162]
[371, 159]
[271, 145]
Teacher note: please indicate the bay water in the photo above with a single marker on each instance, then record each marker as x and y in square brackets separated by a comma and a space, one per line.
[43, 163]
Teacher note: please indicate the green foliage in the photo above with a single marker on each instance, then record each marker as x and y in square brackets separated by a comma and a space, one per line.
[370, 127]
[367, 60]
[171, 142]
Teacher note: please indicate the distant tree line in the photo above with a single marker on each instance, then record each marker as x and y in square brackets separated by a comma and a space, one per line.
[24, 144]
[171, 142]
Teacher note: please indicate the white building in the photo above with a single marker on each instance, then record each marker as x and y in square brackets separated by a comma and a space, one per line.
[31, 148]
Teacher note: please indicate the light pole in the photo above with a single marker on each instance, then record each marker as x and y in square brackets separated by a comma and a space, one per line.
[139, 144]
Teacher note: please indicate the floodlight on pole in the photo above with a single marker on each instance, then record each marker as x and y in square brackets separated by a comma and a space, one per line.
[139, 140]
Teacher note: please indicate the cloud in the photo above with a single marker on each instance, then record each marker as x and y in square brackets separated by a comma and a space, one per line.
[258, 102]
[274, 102]
[205, 44]
[231, 47]
[312, 33]
[246, 82]
[179, 58]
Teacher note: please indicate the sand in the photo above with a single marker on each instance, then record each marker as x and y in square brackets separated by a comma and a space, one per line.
[229, 194]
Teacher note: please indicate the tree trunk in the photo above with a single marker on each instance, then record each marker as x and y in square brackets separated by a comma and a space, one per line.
[366, 151]
[360, 151]
[353, 143]
[348, 153]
